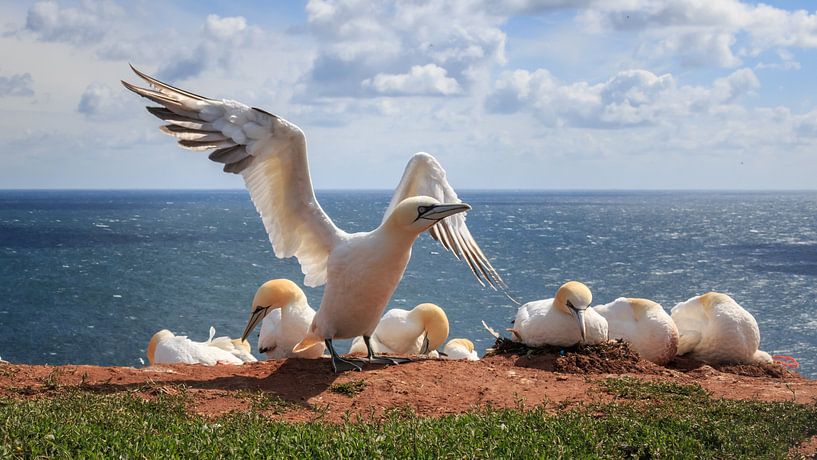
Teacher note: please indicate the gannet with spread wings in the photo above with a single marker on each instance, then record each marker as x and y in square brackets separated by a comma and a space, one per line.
[360, 270]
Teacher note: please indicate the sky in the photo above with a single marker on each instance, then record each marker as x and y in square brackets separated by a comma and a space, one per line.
[507, 94]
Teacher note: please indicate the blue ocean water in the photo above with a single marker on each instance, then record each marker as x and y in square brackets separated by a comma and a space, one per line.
[88, 276]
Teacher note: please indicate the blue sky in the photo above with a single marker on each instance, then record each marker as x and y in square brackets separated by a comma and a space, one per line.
[520, 94]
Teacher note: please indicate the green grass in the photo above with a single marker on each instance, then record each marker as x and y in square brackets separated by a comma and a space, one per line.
[648, 421]
[350, 388]
[631, 388]
[263, 401]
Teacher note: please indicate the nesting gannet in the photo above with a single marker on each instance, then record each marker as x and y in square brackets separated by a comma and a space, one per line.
[713, 328]
[360, 270]
[407, 332]
[166, 348]
[460, 349]
[237, 347]
[562, 321]
[644, 324]
[285, 316]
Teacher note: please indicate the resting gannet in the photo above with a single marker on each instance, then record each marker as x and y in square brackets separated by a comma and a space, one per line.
[285, 317]
[360, 270]
[562, 321]
[416, 332]
[166, 348]
[644, 324]
[713, 328]
[460, 349]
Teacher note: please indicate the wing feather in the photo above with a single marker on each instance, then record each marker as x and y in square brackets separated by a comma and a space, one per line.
[269, 152]
[425, 176]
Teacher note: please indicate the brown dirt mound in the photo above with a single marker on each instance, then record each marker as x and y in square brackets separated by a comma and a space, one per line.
[775, 371]
[615, 357]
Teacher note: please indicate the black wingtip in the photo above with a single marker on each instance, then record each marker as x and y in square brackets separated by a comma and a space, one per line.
[265, 112]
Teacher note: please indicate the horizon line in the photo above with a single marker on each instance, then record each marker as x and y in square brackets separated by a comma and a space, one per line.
[156, 189]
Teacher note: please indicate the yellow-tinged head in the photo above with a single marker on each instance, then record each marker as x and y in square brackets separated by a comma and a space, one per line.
[277, 293]
[710, 299]
[573, 295]
[163, 334]
[273, 294]
[242, 345]
[641, 306]
[574, 298]
[467, 344]
[435, 324]
[416, 214]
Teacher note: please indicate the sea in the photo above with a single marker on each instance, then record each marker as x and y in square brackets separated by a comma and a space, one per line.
[87, 277]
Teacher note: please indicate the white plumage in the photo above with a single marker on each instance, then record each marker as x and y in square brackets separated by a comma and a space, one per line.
[713, 328]
[644, 324]
[360, 270]
[285, 316]
[237, 347]
[460, 349]
[558, 321]
[404, 332]
[166, 348]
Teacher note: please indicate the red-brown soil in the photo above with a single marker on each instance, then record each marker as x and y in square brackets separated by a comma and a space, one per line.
[428, 387]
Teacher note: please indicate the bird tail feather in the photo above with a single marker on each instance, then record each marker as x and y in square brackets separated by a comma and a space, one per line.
[308, 342]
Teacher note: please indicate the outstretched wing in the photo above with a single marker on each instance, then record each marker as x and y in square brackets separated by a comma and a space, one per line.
[425, 176]
[269, 152]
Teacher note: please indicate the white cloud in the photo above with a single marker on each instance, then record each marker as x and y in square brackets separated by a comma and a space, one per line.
[377, 42]
[429, 79]
[629, 98]
[229, 29]
[100, 101]
[700, 33]
[693, 48]
[16, 85]
[787, 61]
[219, 42]
[507, 7]
[80, 26]
[222, 39]
[731, 88]
[806, 125]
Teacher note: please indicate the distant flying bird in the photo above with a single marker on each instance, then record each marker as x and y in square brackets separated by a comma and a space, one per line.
[407, 332]
[563, 321]
[281, 307]
[167, 348]
[713, 328]
[360, 270]
[460, 349]
[644, 324]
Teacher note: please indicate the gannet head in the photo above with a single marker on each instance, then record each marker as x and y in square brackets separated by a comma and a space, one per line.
[242, 345]
[710, 299]
[640, 307]
[417, 214]
[271, 295]
[574, 298]
[435, 325]
[465, 343]
[163, 334]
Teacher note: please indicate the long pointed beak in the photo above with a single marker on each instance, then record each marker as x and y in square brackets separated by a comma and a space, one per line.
[424, 348]
[441, 211]
[257, 315]
[580, 319]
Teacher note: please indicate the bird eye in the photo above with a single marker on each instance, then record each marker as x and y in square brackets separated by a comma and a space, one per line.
[570, 305]
[422, 210]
